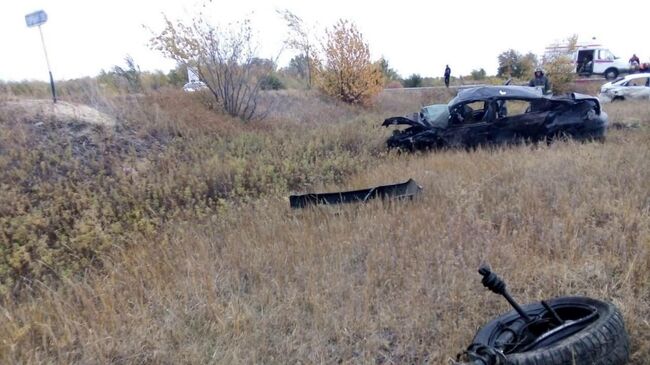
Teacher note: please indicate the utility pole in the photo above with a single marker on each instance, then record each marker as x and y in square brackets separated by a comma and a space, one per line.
[36, 19]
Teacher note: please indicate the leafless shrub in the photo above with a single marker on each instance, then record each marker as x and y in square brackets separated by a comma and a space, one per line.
[301, 38]
[224, 58]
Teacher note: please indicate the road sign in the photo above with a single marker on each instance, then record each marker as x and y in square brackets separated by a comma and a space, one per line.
[36, 18]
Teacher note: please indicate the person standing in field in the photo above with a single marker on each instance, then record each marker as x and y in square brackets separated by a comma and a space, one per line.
[447, 75]
[540, 81]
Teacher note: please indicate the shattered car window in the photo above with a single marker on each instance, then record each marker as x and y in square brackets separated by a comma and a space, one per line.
[515, 107]
[637, 81]
[469, 113]
[437, 115]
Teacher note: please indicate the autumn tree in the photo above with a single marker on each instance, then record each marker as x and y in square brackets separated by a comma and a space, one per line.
[346, 72]
[514, 64]
[559, 67]
[224, 58]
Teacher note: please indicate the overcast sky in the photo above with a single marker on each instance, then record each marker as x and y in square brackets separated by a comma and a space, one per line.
[85, 36]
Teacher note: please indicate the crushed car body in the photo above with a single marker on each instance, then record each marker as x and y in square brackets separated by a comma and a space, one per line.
[407, 189]
[488, 115]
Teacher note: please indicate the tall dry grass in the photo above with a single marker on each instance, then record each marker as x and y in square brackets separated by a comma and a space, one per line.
[72, 190]
[388, 282]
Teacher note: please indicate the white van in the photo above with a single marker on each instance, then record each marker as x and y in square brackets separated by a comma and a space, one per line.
[595, 59]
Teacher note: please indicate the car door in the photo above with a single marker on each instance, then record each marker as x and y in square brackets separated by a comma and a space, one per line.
[637, 88]
[603, 60]
[472, 129]
[522, 121]
[468, 135]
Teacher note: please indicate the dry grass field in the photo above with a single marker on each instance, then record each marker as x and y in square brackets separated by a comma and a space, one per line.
[168, 239]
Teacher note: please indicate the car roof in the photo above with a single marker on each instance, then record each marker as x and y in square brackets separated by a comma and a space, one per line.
[491, 92]
[637, 76]
[622, 80]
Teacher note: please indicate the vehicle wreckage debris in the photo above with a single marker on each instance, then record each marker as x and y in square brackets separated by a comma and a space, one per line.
[408, 189]
[488, 115]
[560, 331]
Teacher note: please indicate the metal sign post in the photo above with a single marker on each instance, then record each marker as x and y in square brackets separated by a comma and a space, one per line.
[36, 19]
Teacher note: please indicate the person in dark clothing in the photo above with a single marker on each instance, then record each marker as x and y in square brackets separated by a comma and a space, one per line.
[447, 75]
[587, 66]
[540, 80]
[635, 63]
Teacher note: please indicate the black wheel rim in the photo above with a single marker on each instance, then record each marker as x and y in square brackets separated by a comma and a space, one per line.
[516, 335]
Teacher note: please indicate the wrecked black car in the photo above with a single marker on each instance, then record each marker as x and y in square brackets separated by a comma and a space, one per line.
[499, 114]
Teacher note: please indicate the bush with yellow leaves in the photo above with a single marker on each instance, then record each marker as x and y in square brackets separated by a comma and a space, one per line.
[559, 67]
[347, 72]
[560, 72]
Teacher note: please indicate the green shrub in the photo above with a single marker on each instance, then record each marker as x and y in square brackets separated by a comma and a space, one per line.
[271, 82]
[415, 80]
[478, 74]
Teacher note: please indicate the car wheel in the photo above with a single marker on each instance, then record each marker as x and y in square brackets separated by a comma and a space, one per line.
[600, 341]
[611, 73]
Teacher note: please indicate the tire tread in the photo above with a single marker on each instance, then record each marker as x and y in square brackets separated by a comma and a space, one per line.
[604, 342]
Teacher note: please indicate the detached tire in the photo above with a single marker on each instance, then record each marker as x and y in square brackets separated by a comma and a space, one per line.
[602, 342]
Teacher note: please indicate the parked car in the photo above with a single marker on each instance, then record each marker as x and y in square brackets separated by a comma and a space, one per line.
[635, 86]
[499, 114]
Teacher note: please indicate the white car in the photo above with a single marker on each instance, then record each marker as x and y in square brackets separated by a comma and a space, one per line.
[634, 86]
[191, 87]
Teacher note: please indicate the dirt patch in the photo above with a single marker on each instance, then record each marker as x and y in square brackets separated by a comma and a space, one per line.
[43, 110]
[83, 132]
